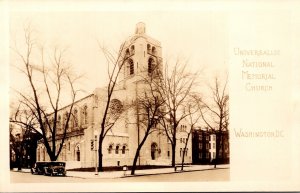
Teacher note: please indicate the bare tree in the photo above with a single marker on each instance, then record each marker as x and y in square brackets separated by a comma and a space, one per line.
[216, 114]
[174, 88]
[193, 116]
[49, 77]
[149, 105]
[111, 113]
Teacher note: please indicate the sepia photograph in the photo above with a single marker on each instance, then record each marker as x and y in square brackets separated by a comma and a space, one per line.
[118, 97]
[127, 96]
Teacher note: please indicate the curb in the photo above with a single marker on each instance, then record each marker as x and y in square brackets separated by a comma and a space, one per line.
[138, 175]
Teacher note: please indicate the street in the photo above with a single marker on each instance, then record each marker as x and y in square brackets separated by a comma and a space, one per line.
[191, 176]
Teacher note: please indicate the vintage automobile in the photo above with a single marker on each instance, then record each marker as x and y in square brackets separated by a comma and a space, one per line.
[49, 168]
[39, 168]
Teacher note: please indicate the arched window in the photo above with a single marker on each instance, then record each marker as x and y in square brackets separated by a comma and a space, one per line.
[148, 48]
[153, 50]
[123, 149]
[75, 116]
[117, 149]
[131, 67]
[65, 120]
[84, 115]
[132, 49]
[127, 53]
[153, 151]
[110, 149]
[150, 65]
[77, 152]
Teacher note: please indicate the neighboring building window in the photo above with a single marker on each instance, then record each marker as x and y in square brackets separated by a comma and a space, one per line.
[207, 138]
[200, 145]
[200, 137]
[207, 145]
[207, 155]
[123, 149]
[214, 145]
[117, 149]
[200, 155]
[214, 155]
[110, 149]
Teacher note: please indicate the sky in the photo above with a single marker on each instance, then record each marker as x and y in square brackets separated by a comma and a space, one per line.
[199, 37]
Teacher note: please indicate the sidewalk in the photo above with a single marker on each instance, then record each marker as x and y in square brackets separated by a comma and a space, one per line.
[121, 174]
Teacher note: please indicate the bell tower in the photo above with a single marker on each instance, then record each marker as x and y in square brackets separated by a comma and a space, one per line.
[142, 55]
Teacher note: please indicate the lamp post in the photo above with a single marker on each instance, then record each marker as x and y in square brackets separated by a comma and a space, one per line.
[95, 148]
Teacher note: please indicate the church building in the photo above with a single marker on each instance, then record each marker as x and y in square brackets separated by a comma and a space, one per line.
[120, 144]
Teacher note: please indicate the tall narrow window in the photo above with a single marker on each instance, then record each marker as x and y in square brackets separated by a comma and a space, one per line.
[83, 116]
[150, 65]
[148, 48]
[123, 149]
[153, 50]
[110, 149]
[117, 149]
[75, 118]
[127, 53]
[77, 153]
[131, 67]
[132, 49]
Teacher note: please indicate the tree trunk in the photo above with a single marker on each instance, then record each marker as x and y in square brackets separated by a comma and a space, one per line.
[217, 149]
[135, 160]
[182, 162]
[173, 154]
[137, 153]
[100, 155]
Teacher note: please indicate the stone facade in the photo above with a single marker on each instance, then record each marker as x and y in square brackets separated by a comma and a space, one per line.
[120, 144]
